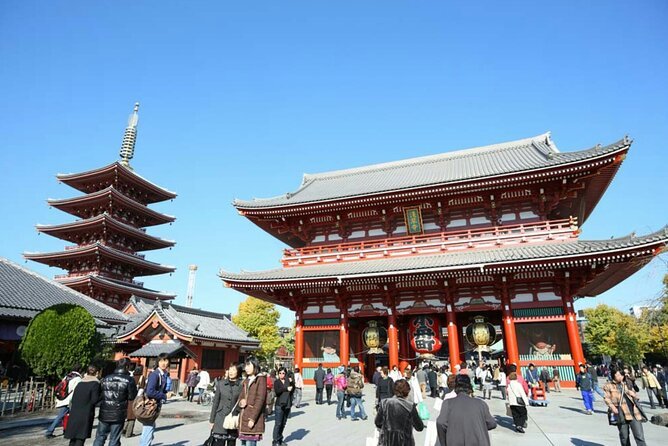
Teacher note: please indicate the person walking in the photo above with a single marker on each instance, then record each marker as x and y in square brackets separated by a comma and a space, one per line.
[385, 387]
[415, 393]
[421, 375]
[341, 383]
[64, 391]
[118, 389]
[224, 403]
[594, 372]
[251, 401]
[156, 389]
[556, 379]
[518, 402]
[532, 378]
[464, 420]
[662, 377]
[393, 414]
[395, 374]
[191, 381]
[329, 384]
[376, 376]
[651, 385]
[584, 383]
[202, 385]
[82, 414]
[545, 379]
[283, 387]
[487, 383]
[319, 378]
[354, 391]
[623, 409]
[432, 380]
[502, 383]
[299, 386]
[140, 382]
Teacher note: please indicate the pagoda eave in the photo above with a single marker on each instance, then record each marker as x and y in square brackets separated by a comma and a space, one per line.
[95, 253]
[97, 282]
[105, 223]
[109, 175]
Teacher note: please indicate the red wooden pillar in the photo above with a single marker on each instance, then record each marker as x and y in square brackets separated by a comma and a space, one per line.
[403, 348]
[453, 337]
[392, 339]
[344, 336]
[572, 326]
[299, 341]
[509, 333]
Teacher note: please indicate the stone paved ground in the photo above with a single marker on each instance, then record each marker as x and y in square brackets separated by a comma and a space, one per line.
[186, 424]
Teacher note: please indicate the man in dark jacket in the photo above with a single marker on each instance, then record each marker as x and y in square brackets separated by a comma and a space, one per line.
[117, 389]
[464, 420]
[319, 378]
[156, 388]
[432, 379]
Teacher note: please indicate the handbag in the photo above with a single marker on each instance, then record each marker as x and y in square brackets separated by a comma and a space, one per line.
[509, 412]
[146, 409]
[423, 412]
[230, 421]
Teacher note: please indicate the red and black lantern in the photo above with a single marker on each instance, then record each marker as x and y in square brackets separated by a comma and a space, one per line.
[424, 331]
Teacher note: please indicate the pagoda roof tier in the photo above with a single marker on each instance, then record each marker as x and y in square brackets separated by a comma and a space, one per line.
[86, 206]
[624, 255]
[120, 287]
[453, 172]
[121, 177]
[94, 253]
[73, 232]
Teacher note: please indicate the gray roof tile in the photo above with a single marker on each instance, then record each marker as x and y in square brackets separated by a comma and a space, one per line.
[498, 159]
[446, 261]
[24, 293]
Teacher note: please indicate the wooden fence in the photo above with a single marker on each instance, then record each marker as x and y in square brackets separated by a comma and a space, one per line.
[29, 396]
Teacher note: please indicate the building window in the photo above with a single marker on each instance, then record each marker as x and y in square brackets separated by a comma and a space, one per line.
[213, 359]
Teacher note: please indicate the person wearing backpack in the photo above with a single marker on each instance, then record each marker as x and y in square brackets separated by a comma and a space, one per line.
[354, 390]
[156, 389]
[117, 390]
[64, 391]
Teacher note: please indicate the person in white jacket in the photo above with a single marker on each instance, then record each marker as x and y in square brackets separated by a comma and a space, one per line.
[518, 401]
[203, 384]
[416, 393]
[63, 405]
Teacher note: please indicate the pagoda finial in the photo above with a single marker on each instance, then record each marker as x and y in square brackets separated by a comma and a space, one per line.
[130, 137]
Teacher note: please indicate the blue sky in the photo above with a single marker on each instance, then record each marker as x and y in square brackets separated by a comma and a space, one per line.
[239, 99]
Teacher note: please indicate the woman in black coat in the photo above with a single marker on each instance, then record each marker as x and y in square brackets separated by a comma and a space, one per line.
[224, 402]
[283, 388]
[82, 412]
[397, 417]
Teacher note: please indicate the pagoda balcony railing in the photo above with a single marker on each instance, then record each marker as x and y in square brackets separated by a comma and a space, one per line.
[434, 243]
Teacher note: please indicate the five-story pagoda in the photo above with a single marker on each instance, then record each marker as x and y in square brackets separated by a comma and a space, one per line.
[113, 214]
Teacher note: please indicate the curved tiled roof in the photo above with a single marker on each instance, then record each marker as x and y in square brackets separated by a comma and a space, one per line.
[189, 322]
[448, 261]
[24, 293]
[512, 157]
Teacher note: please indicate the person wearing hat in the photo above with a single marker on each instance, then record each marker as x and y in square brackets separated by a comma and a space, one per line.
[341, 383]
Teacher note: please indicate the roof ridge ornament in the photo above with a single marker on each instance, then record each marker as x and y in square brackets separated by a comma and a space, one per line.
[130, 137]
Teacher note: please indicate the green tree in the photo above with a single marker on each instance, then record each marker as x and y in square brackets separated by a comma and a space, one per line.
[59, 338]
[614, 333]
[260, 320]
[655, 320]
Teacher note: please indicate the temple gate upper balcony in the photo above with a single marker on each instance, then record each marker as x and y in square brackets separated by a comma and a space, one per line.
[548, 231]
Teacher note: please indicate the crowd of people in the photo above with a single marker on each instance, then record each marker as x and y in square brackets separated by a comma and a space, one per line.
[247, 394]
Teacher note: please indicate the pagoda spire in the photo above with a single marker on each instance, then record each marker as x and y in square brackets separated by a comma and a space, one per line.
[130, 137]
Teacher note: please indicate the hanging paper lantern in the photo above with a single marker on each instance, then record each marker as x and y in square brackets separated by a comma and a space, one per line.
[374, 337]
[424, 331]
[480, 333]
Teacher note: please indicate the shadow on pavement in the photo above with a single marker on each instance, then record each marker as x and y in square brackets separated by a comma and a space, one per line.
[578, 442]
[581, 411]
[168, 427]
[299, 434]
[506, 422]
[180, 443]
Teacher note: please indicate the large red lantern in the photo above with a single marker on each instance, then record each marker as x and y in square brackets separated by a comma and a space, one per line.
[424, 331]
